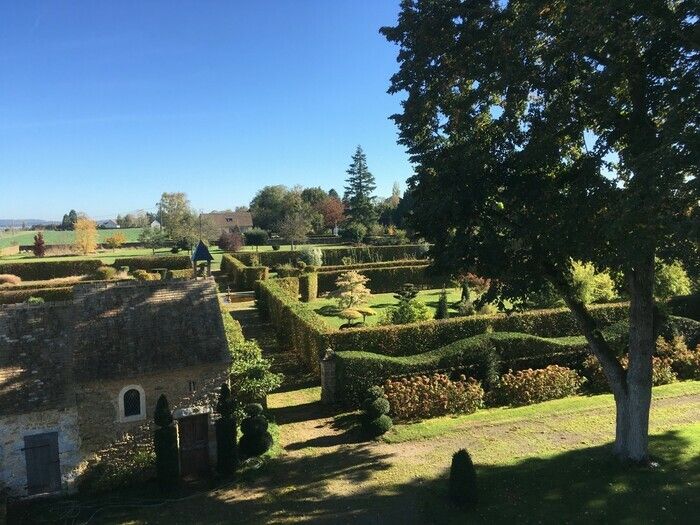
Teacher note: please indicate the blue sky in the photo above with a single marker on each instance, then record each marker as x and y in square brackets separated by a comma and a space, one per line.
[104, 105]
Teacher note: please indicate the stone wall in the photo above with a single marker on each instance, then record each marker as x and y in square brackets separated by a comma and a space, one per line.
[98, 401]
[13, 474]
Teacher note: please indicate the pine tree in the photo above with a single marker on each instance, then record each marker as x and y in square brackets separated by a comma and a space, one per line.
[358, 192]
[165, 444]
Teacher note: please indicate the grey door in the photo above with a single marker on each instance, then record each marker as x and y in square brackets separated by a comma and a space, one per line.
[43, 468]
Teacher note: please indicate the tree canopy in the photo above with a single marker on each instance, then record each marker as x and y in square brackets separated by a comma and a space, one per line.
[545, 132]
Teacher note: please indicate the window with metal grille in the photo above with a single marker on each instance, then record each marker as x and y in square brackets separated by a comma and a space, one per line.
[132, 403]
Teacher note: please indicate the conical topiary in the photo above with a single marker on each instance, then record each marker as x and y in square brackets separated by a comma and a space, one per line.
[463, 488]
[442, 311]
[256, 440]
[165, 444]
[226, 433]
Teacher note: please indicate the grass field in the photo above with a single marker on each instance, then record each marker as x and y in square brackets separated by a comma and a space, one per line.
[62, 237]
[381, 302]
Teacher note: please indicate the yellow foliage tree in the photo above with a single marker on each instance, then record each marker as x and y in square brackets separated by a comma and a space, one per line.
[115, 241]
[85, 236]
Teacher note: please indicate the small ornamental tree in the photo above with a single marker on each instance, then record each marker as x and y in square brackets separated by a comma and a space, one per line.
[230, 241]
[153, 238]
[375, 407]
[165, 444]
[463, 487]
[351, 290]
[39, 247]
[294, 227]
[115, 241]
[85, 236]
[355, 232]
[256, 237]
[226, 431]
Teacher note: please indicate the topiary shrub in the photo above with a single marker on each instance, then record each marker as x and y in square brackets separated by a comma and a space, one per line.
[311, 256]
[105, 273]
[442, 311]
[463, 487]
[165, 445]
[375, 407]
[226, 433]
[256, 440]
[526, 387]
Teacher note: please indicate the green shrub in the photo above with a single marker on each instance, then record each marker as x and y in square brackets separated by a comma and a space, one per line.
[442, 311]
[526, 387]
[406, 312]
[35, 300]
[308, 286]
[311, 256]
[287, 270]
[256, 237]
[375, 420]
[671, 280]
[148, 263]
[46, 294]
[165, 445]
[685, 360]
[42, 270]
[662, 373]
[226, 449]
[463, 487]
[143, 275]
[256, 440]
[427, 396]
[180, 274]
[355, 232]
[105, 273]
[686, 306]
[592, 286]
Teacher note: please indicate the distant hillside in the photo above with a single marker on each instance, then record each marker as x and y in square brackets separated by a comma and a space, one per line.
[8, 223]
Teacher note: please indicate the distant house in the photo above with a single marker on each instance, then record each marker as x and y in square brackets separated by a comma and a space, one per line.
[228, 221]
[155, 225]
[109, 224]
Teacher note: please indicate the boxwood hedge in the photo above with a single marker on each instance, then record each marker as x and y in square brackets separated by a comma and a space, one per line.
[148, 263]
[384, 279]
[241, 276]
[43, 270]
[335, 255]
[47, 294]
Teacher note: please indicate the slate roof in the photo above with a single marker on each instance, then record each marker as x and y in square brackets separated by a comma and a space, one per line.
[201, 253]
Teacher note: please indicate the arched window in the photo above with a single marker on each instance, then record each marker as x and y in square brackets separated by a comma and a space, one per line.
[132, 403]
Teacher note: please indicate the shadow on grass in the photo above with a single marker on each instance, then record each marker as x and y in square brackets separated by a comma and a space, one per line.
[351, 485]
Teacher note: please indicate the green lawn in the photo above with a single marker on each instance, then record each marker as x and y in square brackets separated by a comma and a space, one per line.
[381, 302]
[62, 237]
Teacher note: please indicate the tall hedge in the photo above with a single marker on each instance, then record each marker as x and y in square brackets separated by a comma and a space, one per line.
[308, 286]
[242, 277]
[42, 270]
[299, 329]
[335, 255]
[383, 279]
[686, 306]
[47, 294]
[170, 262]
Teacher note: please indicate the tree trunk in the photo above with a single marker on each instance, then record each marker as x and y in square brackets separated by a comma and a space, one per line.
[632, 387]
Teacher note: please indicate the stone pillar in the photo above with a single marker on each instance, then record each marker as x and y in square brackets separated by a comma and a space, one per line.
[328, 378]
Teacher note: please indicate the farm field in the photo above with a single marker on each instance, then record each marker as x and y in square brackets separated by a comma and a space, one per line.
[62, 237]
[383, 301]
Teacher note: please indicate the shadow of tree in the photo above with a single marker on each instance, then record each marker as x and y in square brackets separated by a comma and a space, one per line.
[360, 484]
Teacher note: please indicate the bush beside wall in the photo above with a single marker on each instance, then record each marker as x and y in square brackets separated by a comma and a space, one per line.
[43, 270]
[47, 294]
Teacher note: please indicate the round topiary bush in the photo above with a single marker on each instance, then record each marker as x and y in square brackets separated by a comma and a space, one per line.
[256, 440]
[463, 488]
[375, 420]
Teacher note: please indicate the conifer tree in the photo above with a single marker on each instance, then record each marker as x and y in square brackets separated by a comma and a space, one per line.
[358, 192]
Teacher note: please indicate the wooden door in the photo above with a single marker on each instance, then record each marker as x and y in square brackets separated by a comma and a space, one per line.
[194, 445]
[43, 466]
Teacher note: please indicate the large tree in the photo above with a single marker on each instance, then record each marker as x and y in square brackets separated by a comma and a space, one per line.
[181, 222]
[359, 198]
[544, 131]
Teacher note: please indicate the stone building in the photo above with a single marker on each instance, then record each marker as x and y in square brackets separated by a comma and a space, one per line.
[77, 376]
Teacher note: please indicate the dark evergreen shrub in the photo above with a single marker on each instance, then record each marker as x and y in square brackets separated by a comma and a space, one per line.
[375, 421]
[165, 444]
[442, 311]
[256, 440]
[463, 488]
[226, 433]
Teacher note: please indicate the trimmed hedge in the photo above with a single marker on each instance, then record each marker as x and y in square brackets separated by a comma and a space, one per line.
[334, 256]
[684, 306]
[242, 277]
[372, 265]
[483, 357]
[299, 329]
[385, 279]
[148, 263]
[308, 286]
[43, 270]
[47, 294]
[187, 273]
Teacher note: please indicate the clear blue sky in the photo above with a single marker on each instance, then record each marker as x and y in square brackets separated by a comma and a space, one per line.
[104, 104]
